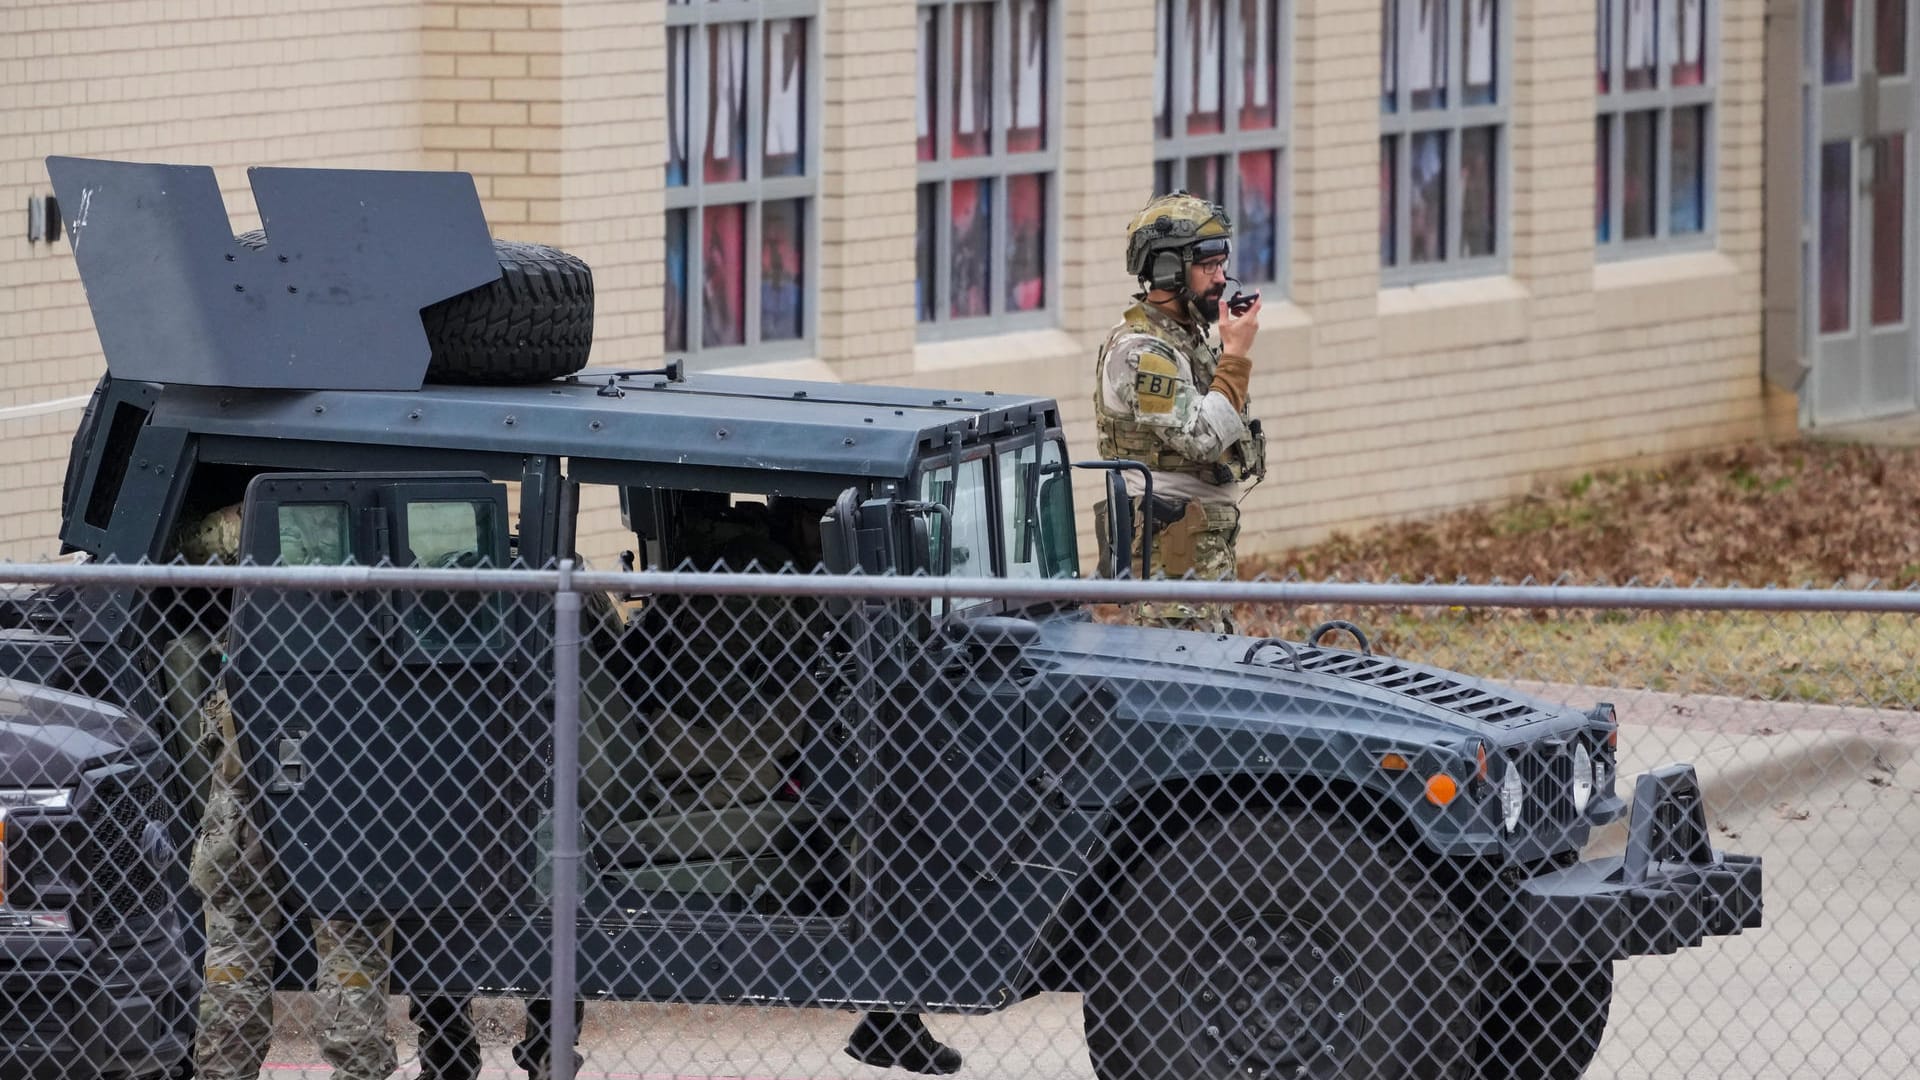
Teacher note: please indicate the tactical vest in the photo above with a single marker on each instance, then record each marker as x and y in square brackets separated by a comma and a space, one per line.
[1121, 437]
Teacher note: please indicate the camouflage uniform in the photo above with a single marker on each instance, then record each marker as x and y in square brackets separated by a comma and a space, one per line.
[1153, 403]
[234, 873]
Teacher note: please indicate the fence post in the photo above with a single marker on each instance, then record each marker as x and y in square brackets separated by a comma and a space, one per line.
[566, 816]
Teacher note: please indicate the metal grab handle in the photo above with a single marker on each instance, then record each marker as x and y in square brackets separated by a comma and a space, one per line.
[1313, 639]
[1253, 650]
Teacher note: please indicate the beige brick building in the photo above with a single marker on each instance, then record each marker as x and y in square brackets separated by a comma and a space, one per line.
[1500, 242]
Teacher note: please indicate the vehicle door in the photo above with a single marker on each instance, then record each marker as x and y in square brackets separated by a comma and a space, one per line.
[969, 813]
[375, 726]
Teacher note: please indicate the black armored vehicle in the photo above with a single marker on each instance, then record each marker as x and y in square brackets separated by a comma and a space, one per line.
[1260, 858]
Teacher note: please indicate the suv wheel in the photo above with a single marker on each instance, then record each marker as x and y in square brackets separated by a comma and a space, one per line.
[1545, 1022]
[534, 323]
[1277, 947]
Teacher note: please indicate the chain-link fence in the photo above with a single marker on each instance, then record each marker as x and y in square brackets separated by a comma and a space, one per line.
[797, 826]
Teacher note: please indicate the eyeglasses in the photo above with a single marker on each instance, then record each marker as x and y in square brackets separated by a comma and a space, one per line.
[1212, 266]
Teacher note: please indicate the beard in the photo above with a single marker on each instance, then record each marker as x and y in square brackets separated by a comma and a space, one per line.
[1208, 304]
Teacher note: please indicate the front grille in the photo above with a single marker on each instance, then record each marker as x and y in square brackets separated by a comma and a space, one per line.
[1547, 772]
[123, 889]
[1423, 684]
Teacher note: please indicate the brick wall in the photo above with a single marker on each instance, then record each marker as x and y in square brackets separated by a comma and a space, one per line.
[1380, 403]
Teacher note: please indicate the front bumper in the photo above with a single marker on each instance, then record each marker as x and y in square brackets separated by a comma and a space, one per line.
[70, 1010]
[1670, 890]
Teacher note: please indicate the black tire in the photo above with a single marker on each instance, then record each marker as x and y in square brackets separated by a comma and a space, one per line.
[1544, 1023]
[533, 324]
[1281, 946]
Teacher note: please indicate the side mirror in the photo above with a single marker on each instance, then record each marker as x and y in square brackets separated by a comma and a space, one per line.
[929, 539]
[1119, 538]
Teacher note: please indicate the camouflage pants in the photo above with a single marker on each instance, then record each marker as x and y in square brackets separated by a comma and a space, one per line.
[1200, 544]
[233, 874]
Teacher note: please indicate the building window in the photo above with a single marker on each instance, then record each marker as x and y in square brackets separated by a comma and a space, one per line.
[1653, 141]
[742, 177]
[1444, 93]
[989, 149]
[1220, 119]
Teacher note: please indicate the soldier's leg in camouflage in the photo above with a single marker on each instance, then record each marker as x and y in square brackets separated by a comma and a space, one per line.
[448, 1048]
[1201, 544]
[1214, 559]
[534, 1050]
[351, 997]
[229, 871]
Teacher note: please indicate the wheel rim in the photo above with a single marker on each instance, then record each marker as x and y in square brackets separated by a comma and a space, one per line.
[1270, 999]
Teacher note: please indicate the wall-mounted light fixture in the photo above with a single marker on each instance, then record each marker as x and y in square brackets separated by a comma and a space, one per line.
[43, 219]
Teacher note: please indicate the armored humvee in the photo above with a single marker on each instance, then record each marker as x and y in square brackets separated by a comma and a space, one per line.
[1252, 857]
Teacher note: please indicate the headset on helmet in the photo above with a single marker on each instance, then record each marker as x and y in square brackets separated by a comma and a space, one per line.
[1171, 234]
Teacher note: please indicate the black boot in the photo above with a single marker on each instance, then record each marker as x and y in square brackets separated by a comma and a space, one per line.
[448, 1048]
[901, 1041]
[534, 1051]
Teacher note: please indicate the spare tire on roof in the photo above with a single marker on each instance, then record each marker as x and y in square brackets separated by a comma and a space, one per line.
[532, 324]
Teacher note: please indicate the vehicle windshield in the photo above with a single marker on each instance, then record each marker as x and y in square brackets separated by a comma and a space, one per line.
[1010, 511]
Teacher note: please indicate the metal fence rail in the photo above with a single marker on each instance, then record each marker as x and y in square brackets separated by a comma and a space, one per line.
[1387, 830]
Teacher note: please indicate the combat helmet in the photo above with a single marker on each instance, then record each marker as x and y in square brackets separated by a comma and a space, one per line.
[1172, 233]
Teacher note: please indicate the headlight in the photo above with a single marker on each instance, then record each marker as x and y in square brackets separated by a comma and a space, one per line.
[49, 798]
[1513, 796]
[1583, 778]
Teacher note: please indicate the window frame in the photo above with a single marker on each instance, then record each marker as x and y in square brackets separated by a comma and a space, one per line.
[1402, 124]
[997, 165]
[1177, 148]
[1613, 105]
[755, 192]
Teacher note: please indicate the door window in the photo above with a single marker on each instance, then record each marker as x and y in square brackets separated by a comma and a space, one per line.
[1036, 517]
[963, 491]
[314, 534]
[452, 533]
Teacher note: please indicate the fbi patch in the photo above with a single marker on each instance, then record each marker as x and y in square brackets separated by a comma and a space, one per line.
[1155, 383]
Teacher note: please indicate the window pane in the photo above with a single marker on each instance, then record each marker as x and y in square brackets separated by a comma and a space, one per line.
[314, 533]
[972, 243]
[1020, 517]
[1690, 67]
[1603, 50]
[1890, 37]
[784, 97]
[972, 79]
[1602, 174]
[1688, 213]
[449, 532]
[1836, 53]
[676, 280]
[1642, 176]
[1206, 177]
[923, 285]
[723, 292]
[964, 493]
[1206, 66]
[679, 42]
[1427, 198]
[1259, 64]
[1162, 177]
[1162, 69]
[1427, 55]
[1389, 55]
[1026, 242]
[1643, 44]
[926, 111]
[1480, 46]
[1029, 80]
[1836, 236]
[1255, 251]
[726, 152]
[1889, 229]
[1479, 150]
[1389, 204]
[1058, 536]
[782, 269]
